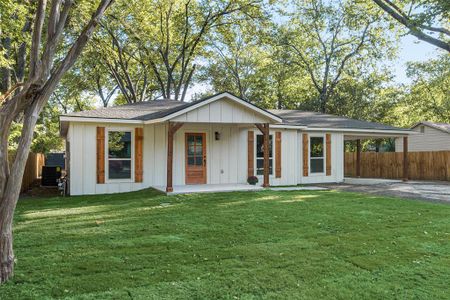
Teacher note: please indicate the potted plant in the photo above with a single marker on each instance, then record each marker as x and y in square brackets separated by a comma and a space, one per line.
[252, 180]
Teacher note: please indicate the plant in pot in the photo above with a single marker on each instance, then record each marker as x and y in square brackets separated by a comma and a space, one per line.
[252, 180]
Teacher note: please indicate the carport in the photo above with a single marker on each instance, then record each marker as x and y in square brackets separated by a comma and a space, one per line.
[400, 158]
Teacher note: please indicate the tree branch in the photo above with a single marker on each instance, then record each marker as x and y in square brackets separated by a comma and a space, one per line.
[414, 29]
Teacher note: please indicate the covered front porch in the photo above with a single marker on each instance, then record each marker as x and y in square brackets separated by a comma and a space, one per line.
[207, 143]
[215, 156]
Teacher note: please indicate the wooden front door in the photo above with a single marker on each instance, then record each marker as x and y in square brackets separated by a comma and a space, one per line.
[195, 144]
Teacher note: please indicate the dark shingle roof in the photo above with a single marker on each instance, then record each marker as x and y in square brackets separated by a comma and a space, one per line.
[150, 110]
[319, 120]
[135, 111]
[145, 111]
[440, 126]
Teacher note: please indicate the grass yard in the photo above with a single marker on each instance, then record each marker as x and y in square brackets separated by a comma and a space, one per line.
[245, 245]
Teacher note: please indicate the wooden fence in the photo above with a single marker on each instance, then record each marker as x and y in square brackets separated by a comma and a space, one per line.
[422, 165]
[33, 169]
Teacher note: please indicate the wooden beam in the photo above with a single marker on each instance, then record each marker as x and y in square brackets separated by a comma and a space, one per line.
[305, 144]
[328, 154]
[405, 159]
[278, 154]
[358, 158]
[100, 155]
[172, 128]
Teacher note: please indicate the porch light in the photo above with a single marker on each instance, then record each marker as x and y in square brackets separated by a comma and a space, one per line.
[217, 135]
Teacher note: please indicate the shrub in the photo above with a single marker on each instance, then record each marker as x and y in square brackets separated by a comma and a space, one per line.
[252, 180]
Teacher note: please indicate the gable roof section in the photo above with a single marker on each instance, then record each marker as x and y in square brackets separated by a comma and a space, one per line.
[162, 110]
[319, 120]
[439, 126]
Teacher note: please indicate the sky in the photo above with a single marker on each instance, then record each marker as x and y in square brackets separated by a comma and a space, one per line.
[412, 50]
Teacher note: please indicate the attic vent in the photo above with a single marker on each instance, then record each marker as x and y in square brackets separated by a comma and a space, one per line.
[422, 129]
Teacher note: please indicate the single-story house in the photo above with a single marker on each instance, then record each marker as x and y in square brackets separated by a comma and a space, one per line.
[219, 140]
[430, 137]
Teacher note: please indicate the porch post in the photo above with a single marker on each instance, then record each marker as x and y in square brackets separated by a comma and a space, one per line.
[405, 159]
[358, 158]
[172, 128]
[264, 128]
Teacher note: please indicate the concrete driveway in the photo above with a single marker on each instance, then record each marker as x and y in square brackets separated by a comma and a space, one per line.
[438, 191]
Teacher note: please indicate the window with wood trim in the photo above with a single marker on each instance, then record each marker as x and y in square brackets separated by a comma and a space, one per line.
[119, 154]
[260, 154]
[316, 154]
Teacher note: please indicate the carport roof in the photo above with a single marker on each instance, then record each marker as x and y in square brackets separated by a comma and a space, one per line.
[319, 120]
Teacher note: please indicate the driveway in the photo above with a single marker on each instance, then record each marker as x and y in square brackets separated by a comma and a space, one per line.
[424, 190]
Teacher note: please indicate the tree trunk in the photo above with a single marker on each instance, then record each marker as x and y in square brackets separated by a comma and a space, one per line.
[6, 247]
[11, 190]
[30, 100]
[323, 99]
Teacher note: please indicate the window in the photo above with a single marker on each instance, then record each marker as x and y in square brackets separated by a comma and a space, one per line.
[119, 155]
[316, 154]
[260, 154]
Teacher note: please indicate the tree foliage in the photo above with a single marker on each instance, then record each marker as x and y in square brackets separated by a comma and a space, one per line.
[428, 97]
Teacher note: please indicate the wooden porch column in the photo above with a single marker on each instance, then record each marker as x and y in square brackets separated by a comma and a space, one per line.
[173, 127]
[405, 159]
[264, 128]
[358, 158]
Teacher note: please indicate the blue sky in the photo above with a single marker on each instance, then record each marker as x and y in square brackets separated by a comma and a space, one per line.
[412, 50]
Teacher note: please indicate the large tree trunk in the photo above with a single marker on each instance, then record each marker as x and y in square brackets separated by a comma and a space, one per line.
[6, 249]
[30, 101]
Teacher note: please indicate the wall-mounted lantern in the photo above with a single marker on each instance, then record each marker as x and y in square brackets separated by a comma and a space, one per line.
[217, 135]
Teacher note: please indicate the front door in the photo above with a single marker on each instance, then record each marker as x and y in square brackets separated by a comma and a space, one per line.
[195, 144]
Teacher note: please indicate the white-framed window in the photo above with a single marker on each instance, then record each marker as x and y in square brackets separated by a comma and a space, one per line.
[316, 154]
[119, 162]
[260, 154]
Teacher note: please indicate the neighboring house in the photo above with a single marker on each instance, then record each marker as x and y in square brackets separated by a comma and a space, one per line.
[430, 137]
[217, 140]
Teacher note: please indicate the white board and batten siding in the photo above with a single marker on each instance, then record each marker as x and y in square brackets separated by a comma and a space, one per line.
[337, 160]
[83, 174]
[430, 140]
[226, 157]
[224, 111]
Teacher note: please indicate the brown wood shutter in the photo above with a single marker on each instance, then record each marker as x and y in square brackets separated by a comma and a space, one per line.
[278, 154]
[328, 154]
[305, 154]
[250, 154]
[138, 157]
[100, 154]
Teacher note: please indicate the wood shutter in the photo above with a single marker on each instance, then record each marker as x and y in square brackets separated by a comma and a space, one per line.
[278, 154]
[305, 155]
[138, 157]
[100, 154]
[250, 154]
[328, 154]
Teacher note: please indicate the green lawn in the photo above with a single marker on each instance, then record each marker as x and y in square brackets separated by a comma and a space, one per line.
[245, 245]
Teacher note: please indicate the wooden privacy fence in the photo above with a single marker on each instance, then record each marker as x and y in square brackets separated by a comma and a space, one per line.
[33, 169]
[433, 165]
